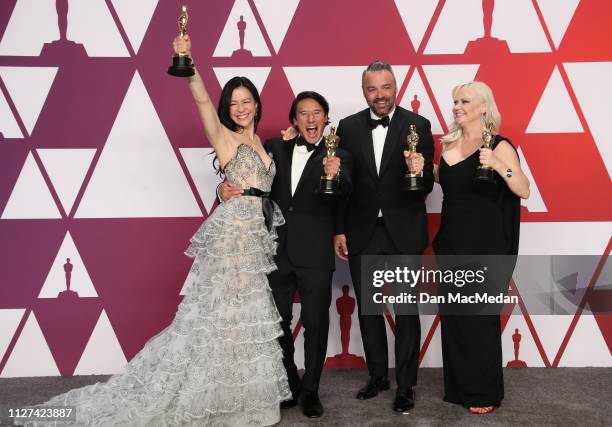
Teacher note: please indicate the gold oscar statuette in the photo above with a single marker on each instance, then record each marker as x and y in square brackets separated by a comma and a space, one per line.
[486, 173]
[413, 181]
[330, 183]
[182, 65]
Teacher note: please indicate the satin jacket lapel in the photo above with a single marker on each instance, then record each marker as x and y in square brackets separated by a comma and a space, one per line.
[392, 139]
[367, 144]
[288, 151]
[315, 159]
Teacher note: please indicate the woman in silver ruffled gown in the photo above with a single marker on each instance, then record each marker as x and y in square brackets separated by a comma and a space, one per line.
[219, 362]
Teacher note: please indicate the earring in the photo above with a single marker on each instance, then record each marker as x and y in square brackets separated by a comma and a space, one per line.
[483, 120]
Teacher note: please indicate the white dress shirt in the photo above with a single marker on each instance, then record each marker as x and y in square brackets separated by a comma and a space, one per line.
[379, 133]
[378, 137]
[298, 163]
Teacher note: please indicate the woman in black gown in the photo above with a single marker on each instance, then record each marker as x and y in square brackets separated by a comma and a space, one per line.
[476, 220]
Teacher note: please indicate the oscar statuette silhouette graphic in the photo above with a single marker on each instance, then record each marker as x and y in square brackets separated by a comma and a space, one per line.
[242, 53]
[68, 294]
[345, 305]
[63, 45]
[516, 363]
[415, 104]
[69, 320]
[487, 43]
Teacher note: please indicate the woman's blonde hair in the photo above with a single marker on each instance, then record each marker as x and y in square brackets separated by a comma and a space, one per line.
[491, 118]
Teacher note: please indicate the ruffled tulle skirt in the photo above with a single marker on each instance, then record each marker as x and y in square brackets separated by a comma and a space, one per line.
[219, 362]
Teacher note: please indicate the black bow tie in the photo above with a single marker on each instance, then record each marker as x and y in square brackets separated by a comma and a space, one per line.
[302, 142]
[384, 122]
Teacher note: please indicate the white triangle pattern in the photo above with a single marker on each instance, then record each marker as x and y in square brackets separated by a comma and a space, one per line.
[433, 355]
[462, 19]
[103, 354]
[555, 112]
[230, 40]
[586, 346]
[40, 18]
[426, 109]
[30, 198]
[135, 16]
[80, 281]
[29, 88]
[557, 14]
[138, 172]
[526, 37]
[564, 238]
[276, 16]
[416, 15]
[443, 78]
[534, 203]
[433, 202]
[390, 343]
[66, 168]
[593, 88]
[8, 125]
[205, 177]
[31, 356]
[334, 345]
[400, 71]
[551, 331]
[299, 340]
[90, 23]
[9, 321]
[258, 75]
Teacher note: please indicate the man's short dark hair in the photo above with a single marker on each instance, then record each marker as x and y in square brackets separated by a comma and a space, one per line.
[307, 95]
[377, 66]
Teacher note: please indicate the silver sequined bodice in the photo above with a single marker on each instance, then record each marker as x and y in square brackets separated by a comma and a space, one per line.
[247, 169]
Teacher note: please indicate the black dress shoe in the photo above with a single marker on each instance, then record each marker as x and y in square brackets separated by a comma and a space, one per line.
[311, 405]
[404, 400]
[373, 387]
[286, 404]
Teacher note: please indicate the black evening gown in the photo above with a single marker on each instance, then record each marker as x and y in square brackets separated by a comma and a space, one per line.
[476, 222]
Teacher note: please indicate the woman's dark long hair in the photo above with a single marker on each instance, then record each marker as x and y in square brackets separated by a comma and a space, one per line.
[223, 110]
[226, 99]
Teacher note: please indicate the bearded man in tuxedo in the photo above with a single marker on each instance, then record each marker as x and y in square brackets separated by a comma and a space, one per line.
[380, 218]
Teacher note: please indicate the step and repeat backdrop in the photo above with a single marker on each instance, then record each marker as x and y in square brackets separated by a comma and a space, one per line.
[105, 172]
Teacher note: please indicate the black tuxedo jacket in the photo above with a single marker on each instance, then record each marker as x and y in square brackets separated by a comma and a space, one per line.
[404, 213]
[307, 236]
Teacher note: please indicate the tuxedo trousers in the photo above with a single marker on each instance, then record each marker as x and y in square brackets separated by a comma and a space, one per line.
[373, 330]
[314, 287]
